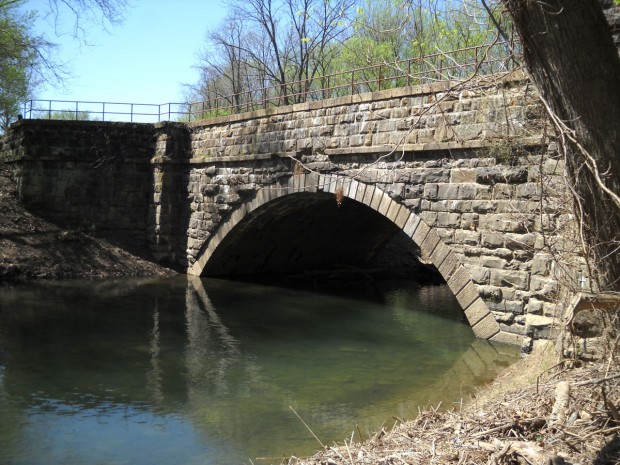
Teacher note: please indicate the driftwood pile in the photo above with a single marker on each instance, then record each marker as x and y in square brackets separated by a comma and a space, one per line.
[568, 416]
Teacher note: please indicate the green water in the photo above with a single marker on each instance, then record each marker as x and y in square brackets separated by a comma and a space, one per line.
[190, 371]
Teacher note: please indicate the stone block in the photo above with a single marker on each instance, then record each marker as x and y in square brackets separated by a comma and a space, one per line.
[467, 295]
[440, 253]
[446, 235]
[554, 166]
[430, 218]
[479, 274]
[543, 286]
[486, 328]
[534, 306]
[436, 173]
[347, 186]
[448, 220]
[462, 175]
[467, 192]
[361, 192]
[502, 174]
[369, 194]
[386, 203]
[502, 191]
[460, 206]
[529, 190]
[538, 326]
[447, 191]
[438, 206]
[467, 237]
[493, 262]
[510, 278]
[312, 182]
[476, 311]
[551, 310]
[396, 190]
[490, 293]
[377, 197]
[514, 307]
[470, 221]
[427, 246]
[420, 233]
[504, 337]
[501, 223]
[402, 217]
[431, 191]
[460, 277]
[412, 223]
[521, 241]
[448, 266]
[492, 240]
[393, 211]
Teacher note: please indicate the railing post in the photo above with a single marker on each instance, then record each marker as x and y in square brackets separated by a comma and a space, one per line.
[103, 111]
[409, 72]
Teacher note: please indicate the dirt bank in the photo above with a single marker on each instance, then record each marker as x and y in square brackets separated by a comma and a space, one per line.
[32, 248]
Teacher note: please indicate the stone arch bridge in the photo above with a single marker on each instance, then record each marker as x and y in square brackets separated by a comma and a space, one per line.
[453, 175]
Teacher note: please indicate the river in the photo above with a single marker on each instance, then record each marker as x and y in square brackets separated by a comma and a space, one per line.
[197, 371]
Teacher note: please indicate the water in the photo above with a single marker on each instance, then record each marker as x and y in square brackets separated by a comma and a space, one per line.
[190, 371]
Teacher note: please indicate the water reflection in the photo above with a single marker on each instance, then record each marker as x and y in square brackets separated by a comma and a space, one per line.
[201, 371]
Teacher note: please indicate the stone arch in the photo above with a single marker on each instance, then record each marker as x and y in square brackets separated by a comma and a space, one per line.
[426, 238]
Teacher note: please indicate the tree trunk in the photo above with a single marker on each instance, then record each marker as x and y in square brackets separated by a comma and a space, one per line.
[571, 58]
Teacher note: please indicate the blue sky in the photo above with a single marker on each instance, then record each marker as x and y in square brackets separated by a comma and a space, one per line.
[146, 59]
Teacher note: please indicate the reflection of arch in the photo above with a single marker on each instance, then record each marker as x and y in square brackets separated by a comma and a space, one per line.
[431, 246]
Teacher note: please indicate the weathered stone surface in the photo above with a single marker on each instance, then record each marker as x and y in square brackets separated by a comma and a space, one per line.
[510, 278]
[486, 328]
[504, 337]
[538, 327]
[467, 295]
[460, 277]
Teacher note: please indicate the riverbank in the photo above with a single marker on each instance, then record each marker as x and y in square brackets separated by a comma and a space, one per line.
[539, 411]
[514, 420]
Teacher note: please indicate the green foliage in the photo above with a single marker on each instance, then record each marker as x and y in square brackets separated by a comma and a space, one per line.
[315, 49]
[69, 115]
[18, 59]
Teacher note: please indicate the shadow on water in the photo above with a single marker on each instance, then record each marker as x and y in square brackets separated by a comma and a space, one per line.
[206, 371]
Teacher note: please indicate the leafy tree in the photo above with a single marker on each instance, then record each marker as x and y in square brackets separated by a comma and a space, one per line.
[279, 43]
[69, 115]
[19, 59]
[26, 58]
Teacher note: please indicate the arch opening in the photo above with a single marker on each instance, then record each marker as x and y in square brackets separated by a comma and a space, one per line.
[308, 235]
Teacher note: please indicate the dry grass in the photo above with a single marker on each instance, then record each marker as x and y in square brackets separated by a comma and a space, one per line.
[518, 419]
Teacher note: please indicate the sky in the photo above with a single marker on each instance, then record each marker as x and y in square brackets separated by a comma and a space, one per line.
[146, 59]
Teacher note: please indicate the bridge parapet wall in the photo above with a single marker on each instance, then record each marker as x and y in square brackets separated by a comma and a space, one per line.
[444, 115]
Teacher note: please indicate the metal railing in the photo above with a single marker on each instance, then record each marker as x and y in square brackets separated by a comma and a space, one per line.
[104, 111]
[453, 65]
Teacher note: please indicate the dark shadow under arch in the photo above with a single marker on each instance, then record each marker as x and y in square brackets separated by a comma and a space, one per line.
[310, 234]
